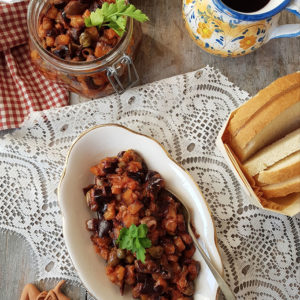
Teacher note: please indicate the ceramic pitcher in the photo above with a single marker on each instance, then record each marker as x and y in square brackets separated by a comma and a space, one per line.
[223, 31]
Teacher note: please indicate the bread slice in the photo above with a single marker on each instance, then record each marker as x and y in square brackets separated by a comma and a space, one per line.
[268, 116]
[285, 169]
[273, 153]
[282, 189]
[284, 202]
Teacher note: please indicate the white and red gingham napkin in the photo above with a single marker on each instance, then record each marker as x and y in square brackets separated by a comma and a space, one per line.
[22, 88]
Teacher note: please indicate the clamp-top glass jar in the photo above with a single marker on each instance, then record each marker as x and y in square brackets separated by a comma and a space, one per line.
[92, 78]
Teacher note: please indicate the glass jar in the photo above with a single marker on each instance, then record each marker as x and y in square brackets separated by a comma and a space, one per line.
[114, 72]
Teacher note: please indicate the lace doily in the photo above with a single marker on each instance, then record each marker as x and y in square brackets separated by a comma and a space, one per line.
[260, 250]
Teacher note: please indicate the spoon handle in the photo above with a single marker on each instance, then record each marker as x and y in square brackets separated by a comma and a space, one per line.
[222, 284]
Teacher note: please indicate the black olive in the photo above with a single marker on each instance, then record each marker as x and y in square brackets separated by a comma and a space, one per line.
[111, 168]
[75, 34]
[101, 200]
[158, 289]
[65, 18]
[154, 183]
[150, 174]
[104, 227]
[107, 191]
[141, 277]
[52, 32]
[100, 196]
[137, 176]
[140, 176]
[61, 52]
[148, 286]
[147, 283]
[98, 193]
[60, 5]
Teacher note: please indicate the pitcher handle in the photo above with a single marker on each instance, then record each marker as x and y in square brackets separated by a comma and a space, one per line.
[288, 30]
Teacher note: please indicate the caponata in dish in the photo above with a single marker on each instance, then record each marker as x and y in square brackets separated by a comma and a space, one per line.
[139, 230]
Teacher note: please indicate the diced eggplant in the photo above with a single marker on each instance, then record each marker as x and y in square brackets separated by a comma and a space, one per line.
[75, 8]
[104, 227]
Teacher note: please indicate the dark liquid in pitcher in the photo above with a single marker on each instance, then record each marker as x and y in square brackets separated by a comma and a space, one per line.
[246, 5]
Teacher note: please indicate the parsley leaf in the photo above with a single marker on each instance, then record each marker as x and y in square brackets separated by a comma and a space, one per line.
[142, 231]
[122, 233]
[114, 15]
[96, 18]
[116, 28]
[134, 13]
[121, 5]
[140, 254]
[146, 243]
[87, 22]
[135, 240]
[133, 230]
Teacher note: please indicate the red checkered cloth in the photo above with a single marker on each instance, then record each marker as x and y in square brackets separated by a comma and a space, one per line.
[22, 88]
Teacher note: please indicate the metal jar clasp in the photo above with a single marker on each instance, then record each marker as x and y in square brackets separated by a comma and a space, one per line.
[116, 72]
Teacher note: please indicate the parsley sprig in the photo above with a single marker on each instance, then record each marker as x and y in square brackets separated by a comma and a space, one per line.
[114, 15]
[135, 239]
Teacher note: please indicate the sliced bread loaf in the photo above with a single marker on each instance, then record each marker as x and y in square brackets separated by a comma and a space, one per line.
[273, 153]
[283, 170]
[282, 189]
[268, 116]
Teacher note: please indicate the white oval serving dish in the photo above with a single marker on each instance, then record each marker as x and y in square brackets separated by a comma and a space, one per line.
[87, 150]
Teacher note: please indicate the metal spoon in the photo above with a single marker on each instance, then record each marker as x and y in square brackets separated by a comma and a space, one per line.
[222, 284]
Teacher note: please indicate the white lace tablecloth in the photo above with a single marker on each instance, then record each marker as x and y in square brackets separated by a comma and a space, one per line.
[260, 250]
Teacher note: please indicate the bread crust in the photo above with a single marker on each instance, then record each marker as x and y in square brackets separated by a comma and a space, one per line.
[262, 118]
[273, 153]
[276, 89]
[281, 203]
[271, 176]
[282, 189]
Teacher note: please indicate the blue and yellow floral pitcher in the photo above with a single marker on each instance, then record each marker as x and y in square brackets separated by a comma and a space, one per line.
[222, 31]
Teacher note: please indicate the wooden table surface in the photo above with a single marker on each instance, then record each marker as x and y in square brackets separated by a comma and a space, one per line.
[166, 50]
